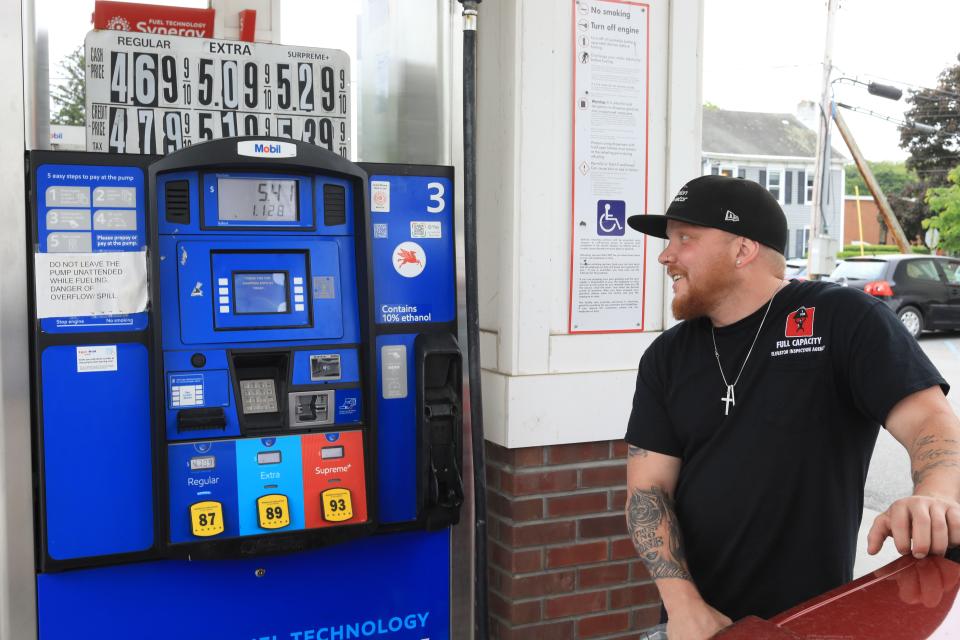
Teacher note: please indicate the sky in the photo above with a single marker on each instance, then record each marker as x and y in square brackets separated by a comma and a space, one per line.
[767, 55]
[758, 55]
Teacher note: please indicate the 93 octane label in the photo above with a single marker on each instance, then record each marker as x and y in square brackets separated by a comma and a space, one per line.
[156, 94]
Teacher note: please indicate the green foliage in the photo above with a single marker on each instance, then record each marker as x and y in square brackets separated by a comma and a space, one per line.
[891, 176]
[932, 155]
[945, 202]
[709, 106]
[68, 96]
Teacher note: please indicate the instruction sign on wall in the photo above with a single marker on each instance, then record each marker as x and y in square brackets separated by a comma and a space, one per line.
[154, 94]
[90, 284]
[610, 152]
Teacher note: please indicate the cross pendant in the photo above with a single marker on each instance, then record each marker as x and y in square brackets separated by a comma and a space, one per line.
[728, 400]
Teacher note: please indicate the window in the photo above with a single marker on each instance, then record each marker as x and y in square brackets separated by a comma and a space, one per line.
[952, 269]
[788, 187]
[773, 183]
[921, 270]
[809, 187]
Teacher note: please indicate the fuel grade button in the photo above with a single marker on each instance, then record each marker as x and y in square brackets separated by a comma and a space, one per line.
[273, 510]
[337, 505]
[206, 518]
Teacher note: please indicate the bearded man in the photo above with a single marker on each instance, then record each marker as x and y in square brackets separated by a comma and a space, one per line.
[754, 420]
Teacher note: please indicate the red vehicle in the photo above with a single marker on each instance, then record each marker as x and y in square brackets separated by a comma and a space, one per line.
[908, 599]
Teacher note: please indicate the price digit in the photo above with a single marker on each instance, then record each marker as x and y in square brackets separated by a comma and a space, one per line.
[205, 92]
[228, 85]
[305, 85]
[250, 125]
[206, 131]
[228, 124]
[309, 131]
[250, 85]
[343, 79]
[172, 132]
[283, 86]
[148, 140]
[327, 100]
[119, 92]
[118, 130]
[285, 127]
[326, 133]
[343, 131]
[168, 72]
[145, 79]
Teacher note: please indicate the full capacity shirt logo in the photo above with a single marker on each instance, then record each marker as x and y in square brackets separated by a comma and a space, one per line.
[798, 334]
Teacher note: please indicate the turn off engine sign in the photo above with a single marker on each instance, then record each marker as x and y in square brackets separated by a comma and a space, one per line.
[154, 94]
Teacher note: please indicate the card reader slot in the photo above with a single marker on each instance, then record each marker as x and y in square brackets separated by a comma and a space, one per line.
[201, 419]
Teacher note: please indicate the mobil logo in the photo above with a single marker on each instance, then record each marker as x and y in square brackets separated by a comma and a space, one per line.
[266, 149]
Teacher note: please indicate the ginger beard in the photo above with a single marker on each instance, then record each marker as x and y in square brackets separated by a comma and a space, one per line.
[699, 295]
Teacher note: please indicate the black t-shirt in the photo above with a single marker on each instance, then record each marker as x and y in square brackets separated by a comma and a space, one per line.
[769, 498]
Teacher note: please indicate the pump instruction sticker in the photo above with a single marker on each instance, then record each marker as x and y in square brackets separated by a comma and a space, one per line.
[97, 358]
[90, 284]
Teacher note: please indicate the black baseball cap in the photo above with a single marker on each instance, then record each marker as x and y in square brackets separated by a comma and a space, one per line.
[739, 206]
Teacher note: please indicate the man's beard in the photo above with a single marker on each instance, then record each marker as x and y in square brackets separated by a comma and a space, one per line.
[703, 294]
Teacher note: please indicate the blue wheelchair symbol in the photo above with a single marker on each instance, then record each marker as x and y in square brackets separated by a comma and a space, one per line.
[611, 217]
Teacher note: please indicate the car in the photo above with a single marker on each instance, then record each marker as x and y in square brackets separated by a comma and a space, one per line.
[796, 269]
[908, 599]
[922, 290]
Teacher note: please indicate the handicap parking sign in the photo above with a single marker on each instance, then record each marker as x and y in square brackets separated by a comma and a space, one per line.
[611, 217]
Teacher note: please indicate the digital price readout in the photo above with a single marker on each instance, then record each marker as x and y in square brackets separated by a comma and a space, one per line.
[255, 200]
[331, 453]
[268, 457]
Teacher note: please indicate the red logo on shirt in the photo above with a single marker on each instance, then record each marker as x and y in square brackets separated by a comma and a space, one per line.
[800, 323]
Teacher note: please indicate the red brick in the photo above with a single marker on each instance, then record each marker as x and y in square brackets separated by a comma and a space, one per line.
[638, 572]
[528, 457]
[633, 596]
[574, 605]
[606, 476]
[515, 613]
[577, 505]
[545, 631]
[537, 534]
[619, 450]
[493, 527]
[513, 561]
[607, 574]
[580, 452]
[646, 617]
[604, 526]
[495, 454]
[602, 625]
[546, 584]
[622, 549]
[519, 484]
[519, 510]
[493, 477]
[576, 554]
[618, 500]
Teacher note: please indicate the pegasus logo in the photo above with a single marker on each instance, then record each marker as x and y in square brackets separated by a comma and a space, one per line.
[731, 217]
[407, 256]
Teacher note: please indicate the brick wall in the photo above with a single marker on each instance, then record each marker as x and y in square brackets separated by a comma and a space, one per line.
[561, 564]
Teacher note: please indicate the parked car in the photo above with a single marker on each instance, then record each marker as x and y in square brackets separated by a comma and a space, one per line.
[924, 291]
[908, 599]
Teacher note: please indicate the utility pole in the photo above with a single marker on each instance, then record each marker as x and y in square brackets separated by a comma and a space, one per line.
[819, 241]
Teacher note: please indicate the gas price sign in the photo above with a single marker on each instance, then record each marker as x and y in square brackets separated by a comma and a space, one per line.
[155, 94]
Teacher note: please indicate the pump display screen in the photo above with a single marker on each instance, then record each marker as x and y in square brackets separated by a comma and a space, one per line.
[257, 200]
[260, 292]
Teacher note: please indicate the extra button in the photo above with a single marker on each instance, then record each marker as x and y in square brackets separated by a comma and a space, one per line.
[206, 518]
[273, 510]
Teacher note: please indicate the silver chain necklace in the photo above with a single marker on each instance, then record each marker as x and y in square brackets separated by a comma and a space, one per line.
[730, 398]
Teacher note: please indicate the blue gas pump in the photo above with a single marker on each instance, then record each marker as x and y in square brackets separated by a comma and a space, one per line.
[247, 394]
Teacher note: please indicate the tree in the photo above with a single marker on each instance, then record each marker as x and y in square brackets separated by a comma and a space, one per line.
[895, 180]
[69, 95]
[932, 155]
[945, 202]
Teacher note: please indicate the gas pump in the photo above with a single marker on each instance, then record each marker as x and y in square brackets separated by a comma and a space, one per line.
[247, 393]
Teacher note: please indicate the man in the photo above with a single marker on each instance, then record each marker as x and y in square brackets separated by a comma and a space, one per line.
[754, 420]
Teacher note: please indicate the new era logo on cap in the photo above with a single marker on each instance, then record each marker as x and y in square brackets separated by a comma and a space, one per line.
[731, 217]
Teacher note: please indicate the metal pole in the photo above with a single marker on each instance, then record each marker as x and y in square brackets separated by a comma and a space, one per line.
[888, 218]
[822, 162]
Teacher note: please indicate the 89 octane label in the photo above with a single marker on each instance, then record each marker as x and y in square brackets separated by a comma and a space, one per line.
[156, 94]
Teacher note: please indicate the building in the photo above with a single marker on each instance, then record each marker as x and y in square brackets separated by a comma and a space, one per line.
[778, 151]
[867, 219]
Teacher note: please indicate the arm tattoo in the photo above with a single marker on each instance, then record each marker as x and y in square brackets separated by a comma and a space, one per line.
[633, 451]
[930, 452]
[646, 512]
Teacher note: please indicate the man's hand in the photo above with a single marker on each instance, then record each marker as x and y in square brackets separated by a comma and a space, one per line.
[927, 582]
[696, 623]
[919, 524]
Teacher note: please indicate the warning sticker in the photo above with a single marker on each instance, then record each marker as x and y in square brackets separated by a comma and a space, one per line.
[379, 196]
[90, 284]
[99, 358]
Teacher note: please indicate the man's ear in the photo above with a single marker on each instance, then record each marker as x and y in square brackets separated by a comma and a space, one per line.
[747, 251]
